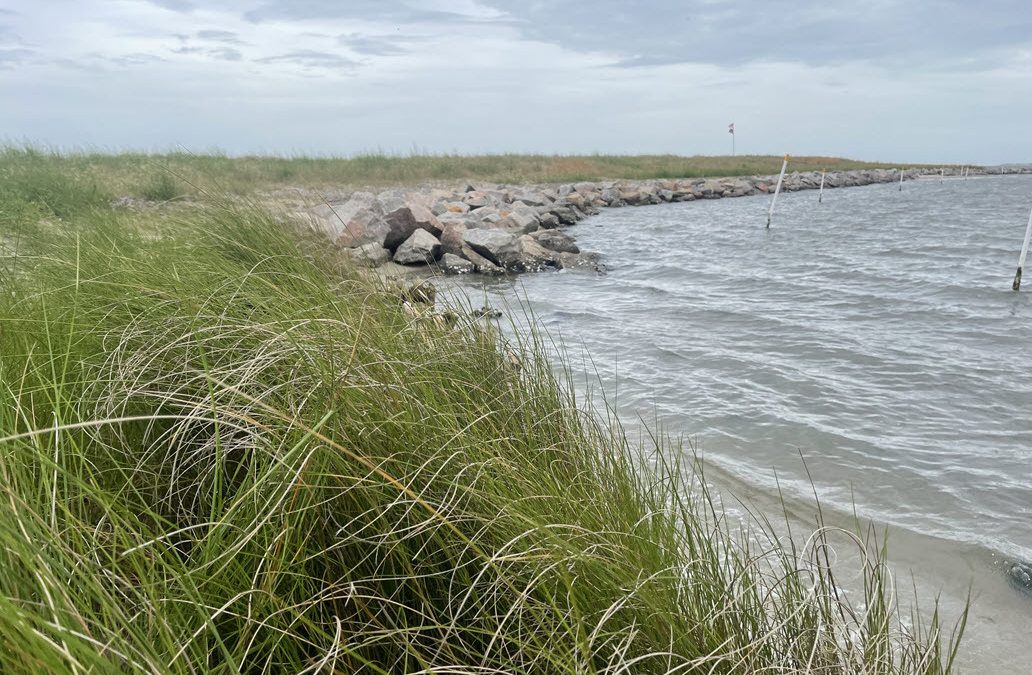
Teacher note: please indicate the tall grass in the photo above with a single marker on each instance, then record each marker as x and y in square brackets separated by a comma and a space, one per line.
[163, 176]
[221, 451]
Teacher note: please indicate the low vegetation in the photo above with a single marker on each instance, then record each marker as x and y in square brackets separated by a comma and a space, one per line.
[223, 451]
[162, 176]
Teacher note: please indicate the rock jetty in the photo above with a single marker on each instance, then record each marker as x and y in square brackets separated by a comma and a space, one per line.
[497, 229]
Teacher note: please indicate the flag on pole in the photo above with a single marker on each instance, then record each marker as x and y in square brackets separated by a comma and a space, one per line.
[731, 128]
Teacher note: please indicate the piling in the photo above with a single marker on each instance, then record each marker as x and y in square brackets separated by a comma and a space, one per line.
[777, 190]
[1024, 251]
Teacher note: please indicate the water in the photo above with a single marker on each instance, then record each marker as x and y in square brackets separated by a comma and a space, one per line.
[870, 344]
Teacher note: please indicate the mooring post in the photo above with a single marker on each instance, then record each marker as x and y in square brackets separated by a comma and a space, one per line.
[820, 195]
[1024, 251]
[942, 175]
[901, 180]
[777, 190]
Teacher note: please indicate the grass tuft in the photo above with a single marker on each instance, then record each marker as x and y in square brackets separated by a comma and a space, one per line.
[221, 450]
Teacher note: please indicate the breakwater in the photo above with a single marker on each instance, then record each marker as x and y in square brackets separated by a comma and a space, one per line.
[498, 229]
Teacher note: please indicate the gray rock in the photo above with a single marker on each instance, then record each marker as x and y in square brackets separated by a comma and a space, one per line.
[451, 237]
[496, 245]
[533, 257]
[421, 248]
[372, 254]
[453, 264]
[533, 198]
[556, 241]
[406, 219]
[357, 222]
[548, 221]
[480, 263]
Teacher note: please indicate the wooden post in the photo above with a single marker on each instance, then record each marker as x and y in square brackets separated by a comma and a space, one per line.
[1024, 251]
[777, 190]
[820, 195]
[942, 175]
[901, 180]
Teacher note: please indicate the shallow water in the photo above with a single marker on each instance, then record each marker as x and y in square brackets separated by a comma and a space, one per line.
[871, 344]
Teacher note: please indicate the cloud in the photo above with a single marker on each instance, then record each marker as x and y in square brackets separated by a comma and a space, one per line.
[226, 36]
[376, 45]
[12, 57]
[226, 54]
[657, 32]
[311, 58]
[174, 5]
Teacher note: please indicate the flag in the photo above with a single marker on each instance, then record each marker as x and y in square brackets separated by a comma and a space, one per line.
[731, 128]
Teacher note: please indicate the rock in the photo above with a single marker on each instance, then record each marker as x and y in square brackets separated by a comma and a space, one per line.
[480, 263]
[554, 240]
[523, 219]
[451, 237]
[453, 264]
[1021, 575]
[357, 222]
[372, 254]
[406, 219]
[533, 198]
[580, 261]
[533, 256]
[548, 221]
[500, 247]
[477, 199]
[421, 248]
[584, 187]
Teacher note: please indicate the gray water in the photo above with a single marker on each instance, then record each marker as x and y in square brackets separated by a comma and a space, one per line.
[870, 344]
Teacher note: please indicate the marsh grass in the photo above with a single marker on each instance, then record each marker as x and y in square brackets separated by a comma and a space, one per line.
[223, 451]
[193, 174]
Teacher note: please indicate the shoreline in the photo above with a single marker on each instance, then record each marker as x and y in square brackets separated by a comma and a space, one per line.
[496, 229]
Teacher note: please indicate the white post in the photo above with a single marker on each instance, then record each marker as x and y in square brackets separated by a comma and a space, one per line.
[777, 189]
[1024, 251]
[942, 175]
[901, 180]
[820, 195]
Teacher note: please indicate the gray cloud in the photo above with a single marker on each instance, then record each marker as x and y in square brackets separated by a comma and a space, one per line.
[226, 36]
[657, 32]
[311, 58]
[226, 53]
[11, 57]
[175, 5]
[391, 11]
[376, 45]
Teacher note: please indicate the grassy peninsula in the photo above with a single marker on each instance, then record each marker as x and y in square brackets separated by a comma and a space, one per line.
[224, 450]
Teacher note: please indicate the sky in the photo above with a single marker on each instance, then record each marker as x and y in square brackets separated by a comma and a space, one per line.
[883, 80]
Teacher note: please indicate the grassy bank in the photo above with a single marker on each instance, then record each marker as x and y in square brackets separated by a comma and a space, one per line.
[161, 177]
[223, 451]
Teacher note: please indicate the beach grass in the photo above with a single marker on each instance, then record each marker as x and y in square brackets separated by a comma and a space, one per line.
[159, 177]
[223, 450]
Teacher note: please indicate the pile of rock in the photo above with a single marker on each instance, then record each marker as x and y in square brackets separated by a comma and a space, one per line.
[494, 229]
[490, 230]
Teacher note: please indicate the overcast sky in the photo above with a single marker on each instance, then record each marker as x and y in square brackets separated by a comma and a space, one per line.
[893, 80]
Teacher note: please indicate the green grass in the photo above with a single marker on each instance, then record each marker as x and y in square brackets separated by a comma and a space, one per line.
[223, 451]
[160, 177]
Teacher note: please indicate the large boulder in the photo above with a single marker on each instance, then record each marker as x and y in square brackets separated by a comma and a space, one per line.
[421, 248]
[498, 246]
[453, 264]
[480, 263]
[533, 257]
[451, 236]
[354, 223]
[405, 216]
[555, 240]
[371, 254]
